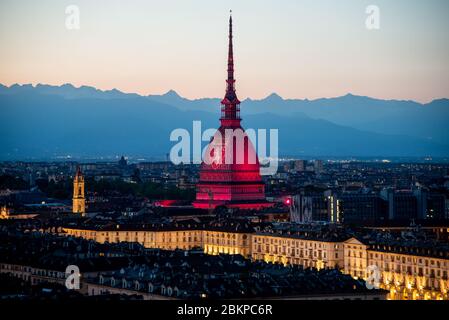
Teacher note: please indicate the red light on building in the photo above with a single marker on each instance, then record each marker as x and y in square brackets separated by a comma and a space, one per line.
[237, 184]
[165, 203]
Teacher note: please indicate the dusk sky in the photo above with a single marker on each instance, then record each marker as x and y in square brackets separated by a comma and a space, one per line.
[298, 49]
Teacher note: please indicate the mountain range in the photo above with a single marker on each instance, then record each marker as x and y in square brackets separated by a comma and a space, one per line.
[45, 121]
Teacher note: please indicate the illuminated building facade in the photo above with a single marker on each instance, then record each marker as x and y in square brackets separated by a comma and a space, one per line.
[219, 239]
[161, 239]
[78, 201]
[230, 172]
[4, 212]
[291, 250]
[217, 242]
[408, 272]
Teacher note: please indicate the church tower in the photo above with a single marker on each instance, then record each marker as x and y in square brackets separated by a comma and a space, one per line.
[227, 181]
[79, 201]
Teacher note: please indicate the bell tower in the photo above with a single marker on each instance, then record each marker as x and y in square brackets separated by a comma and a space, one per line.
[79, 201]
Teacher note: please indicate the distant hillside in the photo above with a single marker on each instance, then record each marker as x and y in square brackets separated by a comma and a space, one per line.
[427, 121]
[44, 121]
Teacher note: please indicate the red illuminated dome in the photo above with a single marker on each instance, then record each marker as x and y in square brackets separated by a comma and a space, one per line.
[230, 172]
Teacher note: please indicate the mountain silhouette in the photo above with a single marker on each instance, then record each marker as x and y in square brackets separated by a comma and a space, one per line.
[45, 121]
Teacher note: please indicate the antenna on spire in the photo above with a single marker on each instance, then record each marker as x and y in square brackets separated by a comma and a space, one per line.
[230, 109]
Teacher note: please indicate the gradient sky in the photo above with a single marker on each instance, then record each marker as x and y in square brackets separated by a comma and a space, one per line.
[298, 49]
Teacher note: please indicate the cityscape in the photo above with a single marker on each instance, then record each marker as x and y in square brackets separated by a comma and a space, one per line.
[226, 217]
[389, 215]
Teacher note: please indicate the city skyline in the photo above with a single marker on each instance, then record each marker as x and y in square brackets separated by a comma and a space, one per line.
[309, 189]
[148, 48]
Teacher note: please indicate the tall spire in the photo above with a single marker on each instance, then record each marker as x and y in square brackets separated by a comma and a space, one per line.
[244, 187]
[230, 101]
[230, 81]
